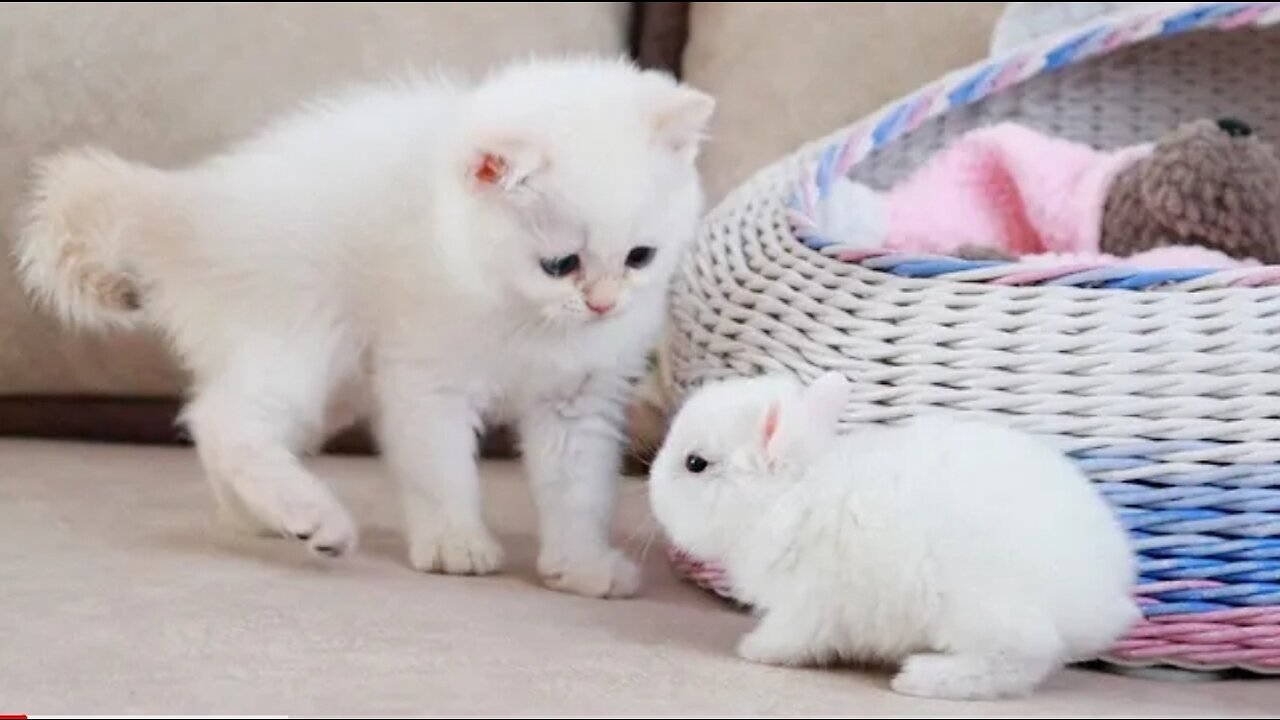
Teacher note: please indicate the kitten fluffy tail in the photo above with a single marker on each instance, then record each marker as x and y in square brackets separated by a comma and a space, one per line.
[90, 215]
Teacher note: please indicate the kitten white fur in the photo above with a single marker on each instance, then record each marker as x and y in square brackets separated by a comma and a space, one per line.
[975, 556]
[380, 253]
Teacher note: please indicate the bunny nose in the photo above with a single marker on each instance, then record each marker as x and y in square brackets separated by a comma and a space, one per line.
[1234, 127]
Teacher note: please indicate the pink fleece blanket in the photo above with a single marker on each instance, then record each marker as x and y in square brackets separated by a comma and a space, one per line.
[1005, 186]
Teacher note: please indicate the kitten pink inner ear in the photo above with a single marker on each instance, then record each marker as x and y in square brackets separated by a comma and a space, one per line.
[682, 119]
[505, 164]
[492, 169]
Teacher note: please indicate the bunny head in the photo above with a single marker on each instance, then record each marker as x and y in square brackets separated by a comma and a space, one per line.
[735, 447]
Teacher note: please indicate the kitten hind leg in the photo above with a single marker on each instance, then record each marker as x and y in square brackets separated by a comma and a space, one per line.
[249, 425]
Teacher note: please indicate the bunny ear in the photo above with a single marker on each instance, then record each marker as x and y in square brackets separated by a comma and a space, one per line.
[771, 422]
[798, 428]
[825, 400]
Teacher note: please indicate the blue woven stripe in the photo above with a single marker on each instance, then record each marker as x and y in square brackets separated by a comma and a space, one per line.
[1114, 277]
[1256, 571]
[1242, 595]
[1111, 464]
[1066, 52]
[1179, 608]
[826, 170]
[1235, 476]
[1241, 476]
[1098, 277]
[940, 266]
[1193, 545]
[975, 86]
[1154, 278]
[1201, 521]
[1199, 16]
[1194, 496]
[889, 127]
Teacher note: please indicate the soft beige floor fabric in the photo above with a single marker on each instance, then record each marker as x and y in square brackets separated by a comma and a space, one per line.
[118, 595]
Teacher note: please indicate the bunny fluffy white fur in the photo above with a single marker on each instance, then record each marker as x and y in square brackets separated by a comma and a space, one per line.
[383, 253]
[976, 557]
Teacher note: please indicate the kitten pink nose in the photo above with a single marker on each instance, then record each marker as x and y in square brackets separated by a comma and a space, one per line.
[601, 308]
[602, 296]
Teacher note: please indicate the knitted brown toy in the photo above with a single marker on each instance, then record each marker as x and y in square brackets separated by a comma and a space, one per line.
[1212, 184]
[1207, 183]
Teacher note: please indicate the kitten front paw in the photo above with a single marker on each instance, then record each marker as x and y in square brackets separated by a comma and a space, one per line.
[311, 514]
[456, 552]
[606, 574]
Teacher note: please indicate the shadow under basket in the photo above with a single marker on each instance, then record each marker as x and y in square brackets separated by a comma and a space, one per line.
[1163, 385]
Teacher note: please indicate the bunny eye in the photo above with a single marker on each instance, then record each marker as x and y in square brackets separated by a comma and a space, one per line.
[695, 463]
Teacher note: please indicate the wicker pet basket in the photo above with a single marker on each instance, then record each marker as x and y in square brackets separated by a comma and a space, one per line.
[1164, 386]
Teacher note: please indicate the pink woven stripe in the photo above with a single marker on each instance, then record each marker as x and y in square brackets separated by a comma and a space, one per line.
[1207, 634]
[1230, 655]
[1247, 17]
[1037, 275]
[1260, 276]
[852, 151]
[1155, 648]
[857, 255]
[1234, 616]
[1009, 75]
[1255, 658]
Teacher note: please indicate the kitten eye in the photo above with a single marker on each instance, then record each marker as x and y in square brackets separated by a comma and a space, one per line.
[695, 463]
[560, 266]
[640, 256]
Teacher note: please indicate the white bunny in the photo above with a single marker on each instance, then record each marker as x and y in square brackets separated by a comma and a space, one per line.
[977, 557]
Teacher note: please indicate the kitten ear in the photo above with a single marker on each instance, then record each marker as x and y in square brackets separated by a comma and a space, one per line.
[504, 163]
[680, 119]
[799, 428]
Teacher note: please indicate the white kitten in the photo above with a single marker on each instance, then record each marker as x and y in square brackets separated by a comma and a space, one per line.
[979, 558]
[460, 254]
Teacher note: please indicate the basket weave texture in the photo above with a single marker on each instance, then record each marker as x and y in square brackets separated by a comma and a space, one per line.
[1164, 386]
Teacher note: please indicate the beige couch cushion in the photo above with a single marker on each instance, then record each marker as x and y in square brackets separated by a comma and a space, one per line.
[786, 73]
[166, 82]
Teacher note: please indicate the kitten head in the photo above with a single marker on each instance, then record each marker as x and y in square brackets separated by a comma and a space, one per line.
[734, 448]
[583, 179]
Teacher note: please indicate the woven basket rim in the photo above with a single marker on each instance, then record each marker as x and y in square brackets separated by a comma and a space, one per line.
[836, 155]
